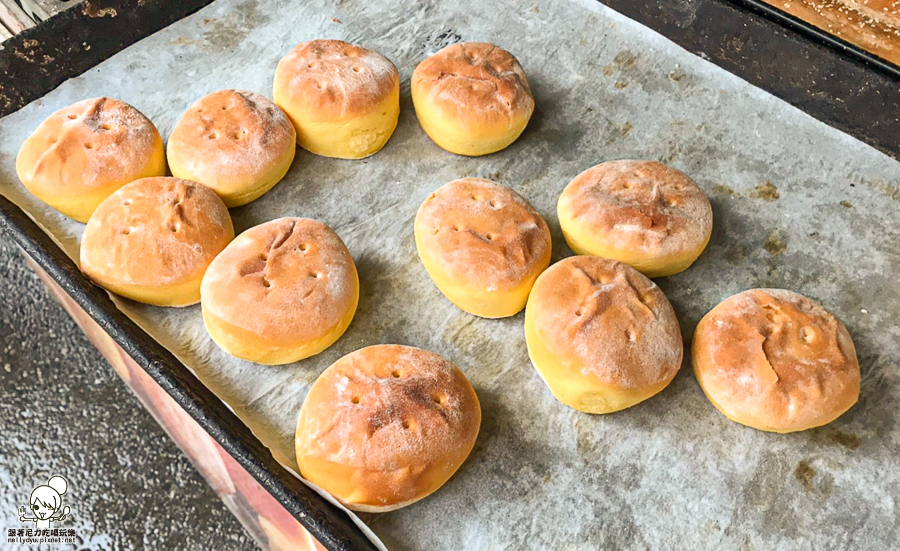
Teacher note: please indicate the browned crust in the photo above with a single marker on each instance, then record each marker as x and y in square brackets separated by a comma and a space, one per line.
[476, 83]
[155, 231]
[640, 205]
[483, 234]
[399, 418]
[288, 280]
[873, 25]
[776, 360]
[231, 136]
[332, 80]
[87, 146]
[608, 321]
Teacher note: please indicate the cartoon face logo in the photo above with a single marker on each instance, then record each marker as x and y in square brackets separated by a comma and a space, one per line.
[45, 502]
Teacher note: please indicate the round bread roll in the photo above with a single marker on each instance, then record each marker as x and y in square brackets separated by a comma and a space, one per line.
[483, 246]
[602, 336]
[776, 361]
[152, 240]
[238, 143]
[472, 98]
[385, 426]
[344, 100]
[81, 154]
[280, 292]
[643, 213]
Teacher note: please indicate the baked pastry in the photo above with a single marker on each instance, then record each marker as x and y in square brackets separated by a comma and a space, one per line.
[385, 426]
[343, 99]
[280, 292]
[81, 154]
[873, 25]
[602, 336]
[643, 213]
[483, 245]
[152, 240]
[776, 361]
[472, 98]
[238, 143]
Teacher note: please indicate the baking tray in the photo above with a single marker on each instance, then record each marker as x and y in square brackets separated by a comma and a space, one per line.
[327, 524]
[815, 33]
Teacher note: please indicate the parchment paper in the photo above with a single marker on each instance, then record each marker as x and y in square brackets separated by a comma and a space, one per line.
[797, 205]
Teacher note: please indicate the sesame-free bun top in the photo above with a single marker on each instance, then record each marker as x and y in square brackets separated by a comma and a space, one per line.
[479, 235]
[343, 100]
[385, 426]
[331, 80]
[775, 360]
[236, 142]
[281, 291]
[81, 154]
[153, 239]
[472, 98]
[649, 215]
[601, 334]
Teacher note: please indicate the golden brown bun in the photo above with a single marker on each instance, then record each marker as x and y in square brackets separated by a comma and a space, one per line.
[343, 99]
[280, 292]
[81, 154]
[385, 426]
[472, 98]
[873, 25]
[238, 143]
[603, 336]
[776, 361]
[483, 245]
[152, 240]
[643, 213]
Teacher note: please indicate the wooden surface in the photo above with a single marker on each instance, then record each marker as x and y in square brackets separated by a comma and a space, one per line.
[13, 19]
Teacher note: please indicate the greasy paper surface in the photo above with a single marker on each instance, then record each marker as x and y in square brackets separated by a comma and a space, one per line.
[796, 204]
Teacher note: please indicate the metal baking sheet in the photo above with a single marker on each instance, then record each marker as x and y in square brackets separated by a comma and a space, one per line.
[796, 204]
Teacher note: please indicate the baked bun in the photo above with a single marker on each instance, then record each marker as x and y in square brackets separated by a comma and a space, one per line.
[344, 100]
[776, 361]
[280, 292]
[643, 213]
[483, 245]
[472, 98]
[152, 240]
[81, 154]
[602, 336]
[238, 143]
[385, 426]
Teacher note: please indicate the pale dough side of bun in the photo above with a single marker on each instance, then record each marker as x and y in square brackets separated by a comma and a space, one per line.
[483, 245]
[280, 292]
[648, 215]
[152, 240]
[601, 335]
[385, 426]
[776, 361]
[81, 154]
[343, 99]
[472, 98]
[238, 143]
